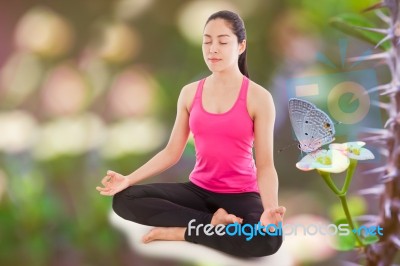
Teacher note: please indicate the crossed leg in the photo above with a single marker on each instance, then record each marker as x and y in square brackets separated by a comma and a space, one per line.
[171, 206]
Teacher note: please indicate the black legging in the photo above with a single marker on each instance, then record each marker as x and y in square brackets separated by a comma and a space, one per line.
[176, 204]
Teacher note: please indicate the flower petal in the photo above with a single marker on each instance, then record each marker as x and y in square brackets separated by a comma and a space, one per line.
[365, 154]
[338, 146]
[353, 150]
[304, 166]
[307, 163]
[340, 162]
[355, 143]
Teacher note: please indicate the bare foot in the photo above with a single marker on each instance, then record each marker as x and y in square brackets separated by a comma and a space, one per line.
[164, 233]
[222, 217]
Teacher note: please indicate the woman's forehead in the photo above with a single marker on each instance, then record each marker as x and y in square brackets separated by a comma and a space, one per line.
[217, 28]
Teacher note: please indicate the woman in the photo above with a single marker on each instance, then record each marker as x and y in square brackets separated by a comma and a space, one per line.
[226, 113]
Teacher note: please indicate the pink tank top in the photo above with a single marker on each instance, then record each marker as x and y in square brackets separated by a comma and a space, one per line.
[224, 142]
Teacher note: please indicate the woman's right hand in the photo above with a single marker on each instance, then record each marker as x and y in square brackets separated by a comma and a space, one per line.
[113, 183]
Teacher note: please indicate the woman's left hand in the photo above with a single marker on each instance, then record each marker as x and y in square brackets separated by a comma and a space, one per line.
[272, 216]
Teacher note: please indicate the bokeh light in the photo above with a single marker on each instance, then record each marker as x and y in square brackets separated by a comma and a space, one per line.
[130, 9]
[133, 136]
[133, 93]
[96, 72]
[45, 32]
[308, 248]
[18, 131]
[193, 16]
[64, 92]
[14, 89]
[120, 43]
[72, 135]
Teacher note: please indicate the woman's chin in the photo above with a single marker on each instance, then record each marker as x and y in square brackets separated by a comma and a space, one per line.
[215, 68]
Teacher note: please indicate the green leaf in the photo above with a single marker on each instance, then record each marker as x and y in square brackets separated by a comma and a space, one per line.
[368, 240]
[344, 242]
[357, 206]
[345, 23]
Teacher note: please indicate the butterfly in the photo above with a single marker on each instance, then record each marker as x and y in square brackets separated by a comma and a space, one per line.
[313, 127]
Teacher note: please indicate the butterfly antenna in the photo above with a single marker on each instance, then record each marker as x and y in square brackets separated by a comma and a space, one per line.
[286, 147]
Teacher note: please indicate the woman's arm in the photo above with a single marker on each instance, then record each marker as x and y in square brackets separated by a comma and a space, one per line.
[264, 119]
[263, 110]
[171, 154]
[114, 182]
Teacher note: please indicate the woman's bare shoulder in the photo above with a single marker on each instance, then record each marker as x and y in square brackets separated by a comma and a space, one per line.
[190, 88]
[258, 98]
[188, 93]
[256, 91]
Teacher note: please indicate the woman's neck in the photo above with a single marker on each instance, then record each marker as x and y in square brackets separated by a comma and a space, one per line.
[226, 77]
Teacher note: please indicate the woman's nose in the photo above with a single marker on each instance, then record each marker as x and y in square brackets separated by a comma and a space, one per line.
[213, 48]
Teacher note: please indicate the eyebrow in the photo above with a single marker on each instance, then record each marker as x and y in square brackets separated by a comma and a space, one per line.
[221, 35]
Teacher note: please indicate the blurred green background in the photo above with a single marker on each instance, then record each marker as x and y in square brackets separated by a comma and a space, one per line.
[91, 85]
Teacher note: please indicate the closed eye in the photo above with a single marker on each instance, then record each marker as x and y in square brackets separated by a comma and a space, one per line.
[222, 43]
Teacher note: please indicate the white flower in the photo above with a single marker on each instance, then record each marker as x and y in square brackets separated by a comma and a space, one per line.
[353, 150]
[332, 161]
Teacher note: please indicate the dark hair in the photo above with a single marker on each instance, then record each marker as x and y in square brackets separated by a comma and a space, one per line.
[237, 26]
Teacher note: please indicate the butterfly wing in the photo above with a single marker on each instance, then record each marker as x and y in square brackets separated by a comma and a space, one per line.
[298, 110]
[318, 128]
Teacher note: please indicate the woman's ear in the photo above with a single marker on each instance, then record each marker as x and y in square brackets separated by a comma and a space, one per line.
[242, 47]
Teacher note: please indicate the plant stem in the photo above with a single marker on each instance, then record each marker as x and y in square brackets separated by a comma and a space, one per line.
[349, 176]
[343, 200]
[328, 180]
[342, 193]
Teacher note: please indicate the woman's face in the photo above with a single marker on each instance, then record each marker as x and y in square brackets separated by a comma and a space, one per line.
[220, 47]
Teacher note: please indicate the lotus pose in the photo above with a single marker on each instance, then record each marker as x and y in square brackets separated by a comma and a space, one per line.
[227, 114]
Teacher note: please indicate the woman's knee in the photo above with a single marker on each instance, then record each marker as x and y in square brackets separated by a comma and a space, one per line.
[275, 245]
[119, 204]
[265, 246]
[121, 199]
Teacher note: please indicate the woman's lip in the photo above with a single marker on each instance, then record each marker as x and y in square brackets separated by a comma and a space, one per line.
[214, 60]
